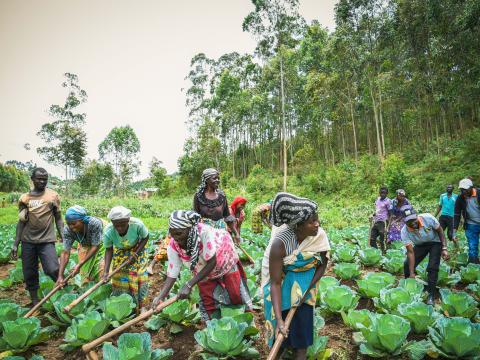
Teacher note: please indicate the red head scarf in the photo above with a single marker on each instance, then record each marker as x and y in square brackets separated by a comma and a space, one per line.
[237, 201]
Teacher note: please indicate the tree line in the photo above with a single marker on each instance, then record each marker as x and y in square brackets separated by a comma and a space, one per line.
[394, 76]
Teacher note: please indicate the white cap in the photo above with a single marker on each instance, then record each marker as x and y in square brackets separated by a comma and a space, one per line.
[465, 184]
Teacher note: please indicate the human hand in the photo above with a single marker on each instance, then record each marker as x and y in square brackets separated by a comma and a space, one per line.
[76, 269]
[445, 255]
[14, 252]
[185, 291]
[60, 281]
[281, 329]
[156, 301]
[105, 277]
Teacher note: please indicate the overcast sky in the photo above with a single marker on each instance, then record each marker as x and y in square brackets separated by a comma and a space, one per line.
[130, 56]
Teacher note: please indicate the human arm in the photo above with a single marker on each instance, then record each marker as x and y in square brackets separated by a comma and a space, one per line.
[64, 257]
[185, 291]
[319, 271]
[411, 259]
[138, 248]
[108, 261]
[277, 253]
[167, 286]
[230, 221]
[58, 221]
[441, 236]
[18, 236]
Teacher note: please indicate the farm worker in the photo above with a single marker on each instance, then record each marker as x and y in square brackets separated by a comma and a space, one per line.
[124, 240]
[422, 235]
[260, 216]
[297, 259]
[211, 203]
[38, 209]
[237, 210]
[380, 217]
[87, 231]
[160, 254]
[395, 219]
[468, 206]
[446, 205]
[210, 254]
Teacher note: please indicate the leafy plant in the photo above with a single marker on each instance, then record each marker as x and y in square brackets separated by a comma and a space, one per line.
[413, 286]
[355, 318]
[9, 312]
[455, 338]
[225, 337]
[180, 312]
[370, 256]
[84, 328]
[102, 293]
[347, 271]
[59, 305]
[445, 276]
[458, 303]
[385, 336]
[470, 273]
[420, 315]
[390, 299]
[117, 309]
[340, 298]
[393, 261]
[345, 254]
[325, 283]
[373, 282]
[240, 316]
[22, 333]
[134, 347]
[318, 350]
[475, 290]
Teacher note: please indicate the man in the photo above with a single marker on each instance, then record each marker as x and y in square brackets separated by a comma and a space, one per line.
[37, 211]
[468, 206]
[446, 205]
[422, 235]
[382, 205]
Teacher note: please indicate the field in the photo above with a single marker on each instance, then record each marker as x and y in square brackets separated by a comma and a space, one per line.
[364, 309]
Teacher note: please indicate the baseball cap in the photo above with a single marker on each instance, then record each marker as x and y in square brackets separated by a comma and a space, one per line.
[408, 212]
[465, 184]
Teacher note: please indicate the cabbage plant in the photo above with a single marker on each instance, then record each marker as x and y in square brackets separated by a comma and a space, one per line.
[225, 337]
[340, 298]
[355, 318]
[470, 273]
[318, 350]
[445, 276]
[345, 253]
[373, 282]
[118, 309]
[390, 299]
[475, 289]
[393, 261]
[9, 312]
[420, 315]
[413, 286]
[347, 271]
[455, 338]
[370, 256]
[458, 304]
[84, 328]
[325, 283]
[134, 347]
[21, 334]
[64, 319]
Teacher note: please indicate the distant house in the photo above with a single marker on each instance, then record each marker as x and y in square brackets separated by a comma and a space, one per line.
[146, 193]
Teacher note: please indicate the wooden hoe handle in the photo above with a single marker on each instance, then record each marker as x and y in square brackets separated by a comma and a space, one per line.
[279, 340]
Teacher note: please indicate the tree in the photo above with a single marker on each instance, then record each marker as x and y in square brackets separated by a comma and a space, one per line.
[276, 24]
[158, 175]
[121, 149]
[95, 178]
[65, 136]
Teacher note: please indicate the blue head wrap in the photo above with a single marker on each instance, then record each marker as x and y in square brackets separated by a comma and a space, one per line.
[75, 213]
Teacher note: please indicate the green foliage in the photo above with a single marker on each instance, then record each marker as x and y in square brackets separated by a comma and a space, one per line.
[420, 315]
[13, 179]
[393, 261]
[339, 298]
[117, 309]
[394, 172]
[21, 334]
[84, 328]
[455, 338]
[412, 286]
[390, 299]
[373, 282]
[458, 303]
[347, 271]
[225, 337]
[370, 256]
[470, 273]
[355, 318]
[95, 178]
[345, 254]
[134, 347]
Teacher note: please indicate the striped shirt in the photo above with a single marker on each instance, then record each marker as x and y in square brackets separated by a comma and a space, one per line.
[287, 236]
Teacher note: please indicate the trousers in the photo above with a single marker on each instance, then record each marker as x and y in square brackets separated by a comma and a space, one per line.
[434, 252]
[31, 253]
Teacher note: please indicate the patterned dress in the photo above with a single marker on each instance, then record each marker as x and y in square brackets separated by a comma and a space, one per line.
[396, 222]
[226, 284]
[259, 213]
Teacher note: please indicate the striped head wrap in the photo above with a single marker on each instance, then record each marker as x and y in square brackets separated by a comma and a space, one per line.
[76, 213]
[291, 210]
[184, 219]
[206, 175]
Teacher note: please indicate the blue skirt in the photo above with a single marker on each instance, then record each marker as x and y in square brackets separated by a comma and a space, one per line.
[300, 335]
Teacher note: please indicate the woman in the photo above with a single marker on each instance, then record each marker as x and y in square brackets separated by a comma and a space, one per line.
[211, 256]
[395, 219]
[260, 217]
[125, 241]
[297, 259]
[87, 231]
[211, 203]
[237, 210]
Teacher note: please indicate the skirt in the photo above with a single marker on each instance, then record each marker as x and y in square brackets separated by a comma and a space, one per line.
[132, 279]
[300, 335]
[92, 270]
[230, 289]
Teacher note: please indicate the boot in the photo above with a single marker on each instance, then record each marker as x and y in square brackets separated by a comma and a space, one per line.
[473, 260]
[430, 299]
[34, 297]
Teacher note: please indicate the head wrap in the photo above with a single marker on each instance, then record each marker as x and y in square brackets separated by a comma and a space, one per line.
[119, 213]
[401, 192]
[184, 219]
[76, 213]
[291, 210]
[206, 175]
[238, 200]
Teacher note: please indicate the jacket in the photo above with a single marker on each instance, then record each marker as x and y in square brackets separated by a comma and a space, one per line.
[461, 210]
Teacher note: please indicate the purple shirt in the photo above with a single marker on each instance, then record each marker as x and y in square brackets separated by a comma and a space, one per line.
[381, 209]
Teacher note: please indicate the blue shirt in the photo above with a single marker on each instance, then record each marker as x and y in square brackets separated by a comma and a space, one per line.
[447, 204]
[424, 234]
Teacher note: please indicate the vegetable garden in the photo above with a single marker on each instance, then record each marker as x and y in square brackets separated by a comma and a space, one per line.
[365, 309]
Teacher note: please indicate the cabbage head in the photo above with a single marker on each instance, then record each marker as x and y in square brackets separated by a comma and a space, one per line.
[84, 328]
[413, 286]
[355, 318]
[370, 256]
[420, 315]
[455, 337]
[20, 334]
[390, 299]
[325, 283]
[458, 303]
[347, 271]
[372, 283]
[134, 347]
[470, 273]
[117, 309]
[340, 298]
[345, 253]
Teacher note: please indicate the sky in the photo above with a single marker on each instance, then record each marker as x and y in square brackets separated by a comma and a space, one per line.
[131, 58]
